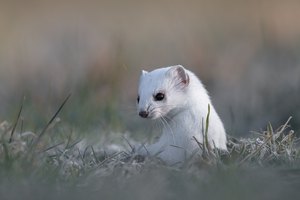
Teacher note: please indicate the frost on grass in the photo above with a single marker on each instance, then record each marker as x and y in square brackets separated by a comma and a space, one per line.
[61, 164]
[58, 161]
[69, 158]
[268, 147]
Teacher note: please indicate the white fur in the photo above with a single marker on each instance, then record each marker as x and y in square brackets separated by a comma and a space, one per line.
[182, 112]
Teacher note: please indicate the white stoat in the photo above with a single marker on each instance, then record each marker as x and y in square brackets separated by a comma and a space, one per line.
[177, 97]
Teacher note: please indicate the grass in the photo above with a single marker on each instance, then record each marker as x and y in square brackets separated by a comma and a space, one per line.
[57, 164]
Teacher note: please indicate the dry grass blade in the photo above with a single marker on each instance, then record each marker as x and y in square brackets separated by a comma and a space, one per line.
[73, 144]
[206, 147]
[95, 155]
[285, 125]
[255, 152]
[127, 141]
[109, 158]
[52, 147]
[16, 122]
[50, 122]
[199, 144]
[6, 152]
[271, 135]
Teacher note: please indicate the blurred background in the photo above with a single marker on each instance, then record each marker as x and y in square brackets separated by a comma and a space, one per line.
[247, 53]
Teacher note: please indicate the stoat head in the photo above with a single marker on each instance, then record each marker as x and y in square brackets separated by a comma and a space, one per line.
[162, 92]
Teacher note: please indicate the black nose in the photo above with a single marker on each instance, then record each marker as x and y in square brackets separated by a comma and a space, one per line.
[144, 114]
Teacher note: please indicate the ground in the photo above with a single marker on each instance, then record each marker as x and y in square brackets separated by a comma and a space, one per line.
[53, 163]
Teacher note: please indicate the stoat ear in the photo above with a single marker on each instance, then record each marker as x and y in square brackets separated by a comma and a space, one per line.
[180, 75]
[144, 73]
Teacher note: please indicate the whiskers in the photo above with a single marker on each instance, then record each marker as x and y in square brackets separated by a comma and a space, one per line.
[168, 106]
[163, 114]
[164, 119]
[166, 124]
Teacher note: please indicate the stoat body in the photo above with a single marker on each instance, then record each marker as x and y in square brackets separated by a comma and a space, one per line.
[176, 97]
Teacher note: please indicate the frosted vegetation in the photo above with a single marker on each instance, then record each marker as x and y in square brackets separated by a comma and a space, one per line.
[57, 162]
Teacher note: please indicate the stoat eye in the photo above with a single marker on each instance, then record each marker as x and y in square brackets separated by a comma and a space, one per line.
[138, 99]
[159, 96]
